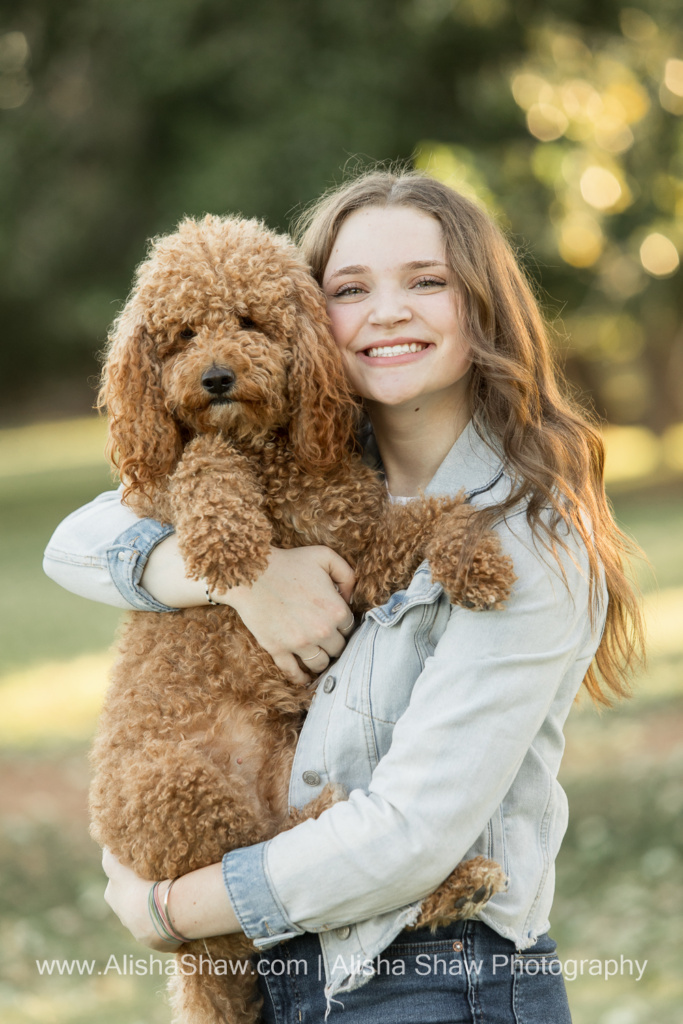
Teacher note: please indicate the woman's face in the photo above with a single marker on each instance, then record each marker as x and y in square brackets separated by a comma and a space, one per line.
[395, 307]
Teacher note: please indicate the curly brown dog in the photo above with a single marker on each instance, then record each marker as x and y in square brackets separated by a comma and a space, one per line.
[230, 418]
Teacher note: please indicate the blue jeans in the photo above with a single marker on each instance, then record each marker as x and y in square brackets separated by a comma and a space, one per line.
[464, 973]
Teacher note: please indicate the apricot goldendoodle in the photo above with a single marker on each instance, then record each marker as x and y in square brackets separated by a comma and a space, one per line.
[230, 418]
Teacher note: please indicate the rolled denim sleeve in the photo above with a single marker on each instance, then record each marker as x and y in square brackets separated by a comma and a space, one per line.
[100, 552]
[263, 920]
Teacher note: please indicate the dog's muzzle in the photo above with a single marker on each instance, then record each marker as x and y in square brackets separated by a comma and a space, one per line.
[218, 381]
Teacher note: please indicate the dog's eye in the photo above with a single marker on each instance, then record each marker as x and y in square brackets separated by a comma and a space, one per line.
[245, 322]
[187, 334]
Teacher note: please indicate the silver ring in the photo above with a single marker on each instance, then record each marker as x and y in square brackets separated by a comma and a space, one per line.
[320, 651]
[345, 629]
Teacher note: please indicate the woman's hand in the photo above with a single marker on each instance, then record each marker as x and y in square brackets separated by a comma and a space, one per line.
[127, 894]
[201, 906]
[298, 609]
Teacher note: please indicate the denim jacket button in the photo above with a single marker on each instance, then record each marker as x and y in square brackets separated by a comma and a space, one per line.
[344, 932]
[122, 556]
[311, 778]
[329, 684]
[457, 946]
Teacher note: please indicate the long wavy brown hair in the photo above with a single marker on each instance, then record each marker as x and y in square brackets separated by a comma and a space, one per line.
[519, 399]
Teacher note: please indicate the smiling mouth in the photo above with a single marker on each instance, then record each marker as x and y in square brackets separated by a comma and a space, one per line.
[387, 351]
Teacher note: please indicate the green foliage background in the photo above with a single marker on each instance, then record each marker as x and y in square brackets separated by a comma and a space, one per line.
[117, 119]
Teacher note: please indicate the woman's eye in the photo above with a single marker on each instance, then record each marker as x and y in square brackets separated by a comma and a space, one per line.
[245, 322]
[187, 334]
[348, 289]
[429, 282]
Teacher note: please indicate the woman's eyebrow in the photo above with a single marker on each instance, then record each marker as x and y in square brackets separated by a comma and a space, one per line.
[357, 268]
[421, 264]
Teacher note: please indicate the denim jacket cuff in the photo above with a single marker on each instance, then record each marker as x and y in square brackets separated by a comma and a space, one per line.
[128, 558]
[259, 912]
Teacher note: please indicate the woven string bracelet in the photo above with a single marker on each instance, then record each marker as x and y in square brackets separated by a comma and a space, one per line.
[154, 916]
[159, 914]
[167, 912]
[209, 598]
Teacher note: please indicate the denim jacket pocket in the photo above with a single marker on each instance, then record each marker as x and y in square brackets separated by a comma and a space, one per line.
[401, 635]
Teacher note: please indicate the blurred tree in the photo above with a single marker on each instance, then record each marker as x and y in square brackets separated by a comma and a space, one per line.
[595, 184]
[117, 119]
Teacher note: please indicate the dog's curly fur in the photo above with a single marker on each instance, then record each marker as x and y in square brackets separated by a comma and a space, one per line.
[198, 732]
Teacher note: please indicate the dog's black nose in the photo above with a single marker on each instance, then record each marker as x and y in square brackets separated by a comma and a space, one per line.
[218, 380]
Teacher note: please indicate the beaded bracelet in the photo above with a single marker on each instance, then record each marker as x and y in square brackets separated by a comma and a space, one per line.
[209, 598]
[160, 917]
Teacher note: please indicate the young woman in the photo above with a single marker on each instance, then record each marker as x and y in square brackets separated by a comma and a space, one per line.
[444, 724]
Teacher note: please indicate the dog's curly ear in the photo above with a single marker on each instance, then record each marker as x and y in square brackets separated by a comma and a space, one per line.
[144, 441]
[324, 410]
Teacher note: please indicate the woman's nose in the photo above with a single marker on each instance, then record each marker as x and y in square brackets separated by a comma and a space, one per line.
[389, 308]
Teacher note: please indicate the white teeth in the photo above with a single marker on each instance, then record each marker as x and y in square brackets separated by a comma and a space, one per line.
[394, 350]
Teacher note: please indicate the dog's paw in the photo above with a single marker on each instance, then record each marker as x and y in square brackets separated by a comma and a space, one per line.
[226, 565]
[484, 582]
[466, 890]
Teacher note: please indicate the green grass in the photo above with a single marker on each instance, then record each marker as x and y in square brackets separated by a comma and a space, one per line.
[39, 620]
[619, 887]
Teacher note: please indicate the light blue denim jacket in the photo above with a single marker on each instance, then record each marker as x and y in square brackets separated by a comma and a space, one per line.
[444, 724]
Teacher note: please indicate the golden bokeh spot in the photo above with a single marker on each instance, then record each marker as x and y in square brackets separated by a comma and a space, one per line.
[673, 77]
[637, 25]
[569, 49]
[601, 188]
[659, 255]
[580, 240]
[581, 100]
[527, 88]
[670, 101]
[625, 97]
[546, 122]
[612, 134]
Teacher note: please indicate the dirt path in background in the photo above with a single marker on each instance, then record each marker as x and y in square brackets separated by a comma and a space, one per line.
[43, 788]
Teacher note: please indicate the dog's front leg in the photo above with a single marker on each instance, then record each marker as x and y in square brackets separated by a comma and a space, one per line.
[222, 531]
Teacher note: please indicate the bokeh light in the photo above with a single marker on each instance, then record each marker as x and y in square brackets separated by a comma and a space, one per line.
[659, 255]
[546, 121]
[673, 76]
[671, 89]
[600, 188]
[637, 25]
[15, 84]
